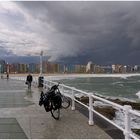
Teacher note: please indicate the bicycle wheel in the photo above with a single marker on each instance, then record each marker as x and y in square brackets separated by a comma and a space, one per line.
[65, 102]
[55, 111]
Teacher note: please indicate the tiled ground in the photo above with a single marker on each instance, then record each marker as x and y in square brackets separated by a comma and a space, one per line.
[12, 94]
[10, 129]
[21, 117]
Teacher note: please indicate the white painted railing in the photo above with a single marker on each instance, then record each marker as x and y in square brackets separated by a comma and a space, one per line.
[126, 109]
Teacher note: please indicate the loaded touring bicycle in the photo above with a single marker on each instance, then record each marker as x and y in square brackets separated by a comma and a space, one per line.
[53, 101]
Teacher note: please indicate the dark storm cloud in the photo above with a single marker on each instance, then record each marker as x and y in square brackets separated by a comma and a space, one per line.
[4, 52]
[102, 32]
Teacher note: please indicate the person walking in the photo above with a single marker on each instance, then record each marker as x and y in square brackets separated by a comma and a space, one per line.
[29, 80]
[7, 75]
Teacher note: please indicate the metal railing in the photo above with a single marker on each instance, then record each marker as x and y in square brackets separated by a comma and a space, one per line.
[70, 92]
[126, 109]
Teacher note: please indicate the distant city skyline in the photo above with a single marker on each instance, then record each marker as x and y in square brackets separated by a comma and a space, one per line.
[48, 67]
[104, 32]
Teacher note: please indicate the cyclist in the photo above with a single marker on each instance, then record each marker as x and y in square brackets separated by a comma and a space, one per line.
[29, 80]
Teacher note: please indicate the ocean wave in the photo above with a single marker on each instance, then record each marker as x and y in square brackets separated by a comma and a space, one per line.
[119, 119]
[115, 83]
[138, 94]
[73, 76]
[58, 77]
[114, 97]
[121, 85]
[123, 76]
[101, 104]
[118, 83]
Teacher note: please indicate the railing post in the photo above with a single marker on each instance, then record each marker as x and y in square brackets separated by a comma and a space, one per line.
[36, 81]
[127, 121]
[73, 101]
[62, 89]
[90, 110]
[50, 84]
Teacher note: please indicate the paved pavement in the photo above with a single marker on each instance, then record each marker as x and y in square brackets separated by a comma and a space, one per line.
[22, 117]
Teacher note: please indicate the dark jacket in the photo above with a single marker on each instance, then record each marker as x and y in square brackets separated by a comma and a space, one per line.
[29, 78]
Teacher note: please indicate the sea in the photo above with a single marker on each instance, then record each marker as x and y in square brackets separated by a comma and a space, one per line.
[125, 87]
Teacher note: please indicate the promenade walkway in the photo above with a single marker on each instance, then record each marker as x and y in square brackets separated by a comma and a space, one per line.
[22, 117]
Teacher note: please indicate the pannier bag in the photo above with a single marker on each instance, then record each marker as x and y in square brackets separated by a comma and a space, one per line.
[57, 101]
[45, 100]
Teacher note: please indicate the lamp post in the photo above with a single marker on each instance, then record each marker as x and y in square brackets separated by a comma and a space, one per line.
[7, 70]
[40, 79]
[0, 71]
[41, 55]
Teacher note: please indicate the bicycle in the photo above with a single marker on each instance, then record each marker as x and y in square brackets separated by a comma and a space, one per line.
[53, 100]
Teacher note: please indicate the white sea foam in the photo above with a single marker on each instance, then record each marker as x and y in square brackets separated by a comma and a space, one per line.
[118, 83]
[121, 85]
[124, 77]
[114, 98]
[101, 104]
[119, 119]
[115, 83]
[119, 116]
[71, 76]
[138, 94]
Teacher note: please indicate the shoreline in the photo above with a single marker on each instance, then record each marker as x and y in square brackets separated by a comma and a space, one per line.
[80, 74]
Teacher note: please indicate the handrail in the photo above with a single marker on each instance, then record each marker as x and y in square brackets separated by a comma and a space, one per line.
[107, 101]
[107, 120]
[127, 110]
[127, 130]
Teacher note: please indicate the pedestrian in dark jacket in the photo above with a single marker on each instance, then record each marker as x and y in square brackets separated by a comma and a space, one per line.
[7, 75]
[29, 80]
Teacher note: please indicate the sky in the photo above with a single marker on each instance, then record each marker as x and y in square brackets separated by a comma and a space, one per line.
[71, 31]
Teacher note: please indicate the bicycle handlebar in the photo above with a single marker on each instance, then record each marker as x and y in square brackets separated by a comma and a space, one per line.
[54, 87]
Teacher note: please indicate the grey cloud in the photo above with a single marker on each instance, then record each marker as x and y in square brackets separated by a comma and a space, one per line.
[81, 31]
[4, 52]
